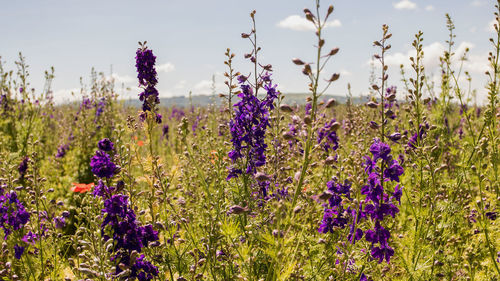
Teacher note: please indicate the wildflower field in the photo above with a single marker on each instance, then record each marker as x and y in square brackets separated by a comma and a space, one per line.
[404, 186]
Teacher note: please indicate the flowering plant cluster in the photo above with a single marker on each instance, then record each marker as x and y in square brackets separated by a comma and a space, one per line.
[13, 216]
[248, 127]
[120, 224]
[379, 202]
[146, 73]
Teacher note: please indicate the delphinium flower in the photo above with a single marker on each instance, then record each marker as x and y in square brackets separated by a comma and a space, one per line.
[99, 108]
[105, 145]
[101, 163]
[195, 124]
[146, 73]
[61, 150]
[379, 203]
[327, 137]
[102, 166]
[390, 102]
[4, 104]
[164, 131]
[248, 128]
[177, 113]
[120, 224]
[418, 136]
[335, 215]
[18, 251]
[23, 166]
[13, 215]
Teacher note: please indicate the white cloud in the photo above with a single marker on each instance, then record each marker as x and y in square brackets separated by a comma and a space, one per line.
[404, 5]
[432, 53]
[345, 72]
[166, 67]
[125, 79]
[66, 95]
[204, 87]
[298, 23]
[477, 63]
[477, 3]
[180, 85]
[429, 8]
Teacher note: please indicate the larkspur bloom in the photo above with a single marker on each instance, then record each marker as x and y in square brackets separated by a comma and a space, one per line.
[62, 150]
[327, 137]
[248, 129]
[378, 203]
[102, 166]
[164, 131]
[105, 145]
[13, 215]
[335, 215]
[418, 136]
[120, 224]
[23, 166]
[146, 74]
[127, 235]
[18, 251]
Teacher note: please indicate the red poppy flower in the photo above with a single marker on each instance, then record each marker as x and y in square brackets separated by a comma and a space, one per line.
[82, 187]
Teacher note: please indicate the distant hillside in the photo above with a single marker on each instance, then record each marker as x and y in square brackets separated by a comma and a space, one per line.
[203, 100]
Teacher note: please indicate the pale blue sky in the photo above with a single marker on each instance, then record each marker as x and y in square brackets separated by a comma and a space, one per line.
[189, 38]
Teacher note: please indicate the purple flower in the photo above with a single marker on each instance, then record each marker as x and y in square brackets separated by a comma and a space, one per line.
[335, 215]
[379, 204]
[164, 131]
[145, 64]
[308, 108]
[393, 171]
[248, 129]
[13, 215]
[59, 222]
[143, 270]
[158, 118]
[23, 166]
[327, 136]
[382, 252]
[102, 166]
[146, 73]
[379, 150]
[105, 145]
[61, 150]
[18, 251]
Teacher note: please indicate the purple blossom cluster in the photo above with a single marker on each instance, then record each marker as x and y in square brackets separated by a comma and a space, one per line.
[120, 224]
[146, 73]
[101, 163]
[335, 215]
[105, 145]
[13, 216]
[102, 166]
[378, 203]
[248, 128]
[62, 150]
[418, 136]
[390, 98]
[327, 137]
[177, 113]
[23, 166]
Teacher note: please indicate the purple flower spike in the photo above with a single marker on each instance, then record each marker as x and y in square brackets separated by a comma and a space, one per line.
[105, 145]
[18, 251]
[102, 166]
